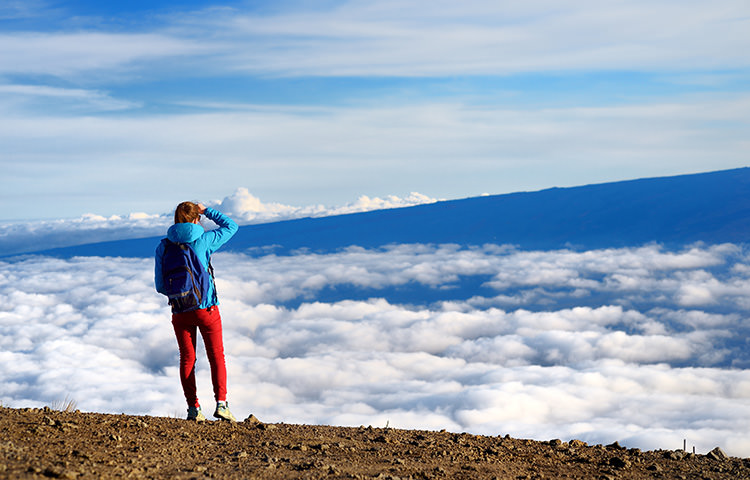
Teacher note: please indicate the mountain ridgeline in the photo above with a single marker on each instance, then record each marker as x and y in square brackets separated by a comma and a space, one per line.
[674, 211]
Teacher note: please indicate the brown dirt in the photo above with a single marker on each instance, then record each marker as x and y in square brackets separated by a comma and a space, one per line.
[45, 443]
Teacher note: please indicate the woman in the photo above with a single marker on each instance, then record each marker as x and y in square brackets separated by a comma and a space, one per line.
[206, 318]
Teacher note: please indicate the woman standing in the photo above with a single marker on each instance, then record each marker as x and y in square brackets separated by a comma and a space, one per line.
[206, 318]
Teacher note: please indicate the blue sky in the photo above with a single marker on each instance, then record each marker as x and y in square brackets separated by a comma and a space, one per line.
[118, 107]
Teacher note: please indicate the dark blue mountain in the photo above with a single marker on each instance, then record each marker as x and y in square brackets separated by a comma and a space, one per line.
[673, 211]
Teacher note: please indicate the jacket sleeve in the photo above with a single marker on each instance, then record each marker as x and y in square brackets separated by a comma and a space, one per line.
[158, 279]
[218, 237]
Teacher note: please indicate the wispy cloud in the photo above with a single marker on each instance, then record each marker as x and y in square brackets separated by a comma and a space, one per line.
[70, 55]
[370, 96]
[429, 147]
[382, 38]
[15, 95]
[403, 39]
[15, 9]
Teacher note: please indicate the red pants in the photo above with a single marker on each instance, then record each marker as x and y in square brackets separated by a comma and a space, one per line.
[185, 326]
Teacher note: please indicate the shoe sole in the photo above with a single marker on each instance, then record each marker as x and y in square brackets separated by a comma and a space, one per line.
[225, 419]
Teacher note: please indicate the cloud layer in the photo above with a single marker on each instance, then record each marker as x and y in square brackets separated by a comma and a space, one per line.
[246, 208]
[640, 345]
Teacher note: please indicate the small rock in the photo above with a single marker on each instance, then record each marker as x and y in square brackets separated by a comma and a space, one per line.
[577, 444]
[674, 454]
[717, 454]
[138, 423]
[618, 462]
[266, 426]
[52, 473]
[252, 420]
[80, 454]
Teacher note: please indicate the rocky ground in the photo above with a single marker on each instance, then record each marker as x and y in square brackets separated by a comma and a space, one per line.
[46, 443]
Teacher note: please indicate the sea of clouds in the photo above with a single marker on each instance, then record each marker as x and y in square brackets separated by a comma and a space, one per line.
[638, 345]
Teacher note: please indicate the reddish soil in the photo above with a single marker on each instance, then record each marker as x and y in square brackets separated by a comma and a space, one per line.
[45, 443]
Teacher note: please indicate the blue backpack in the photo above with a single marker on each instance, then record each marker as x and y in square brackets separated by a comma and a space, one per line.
[186, 281]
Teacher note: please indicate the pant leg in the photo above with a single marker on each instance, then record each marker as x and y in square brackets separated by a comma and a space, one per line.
[211, 331]
[186, 332]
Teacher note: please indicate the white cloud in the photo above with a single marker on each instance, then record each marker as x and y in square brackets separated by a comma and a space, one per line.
[287, 151]
[630, 275]
[470, 140]
[244, 207]
[15, 96]
[385, 38]
[71, 55]
[402, 38]
[247, 207]
[19, 237]
[93, 329]
[15, 9]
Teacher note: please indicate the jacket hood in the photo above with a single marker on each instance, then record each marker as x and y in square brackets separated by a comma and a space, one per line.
[184, 232]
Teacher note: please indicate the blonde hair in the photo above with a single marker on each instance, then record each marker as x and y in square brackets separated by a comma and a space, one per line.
[187, 212]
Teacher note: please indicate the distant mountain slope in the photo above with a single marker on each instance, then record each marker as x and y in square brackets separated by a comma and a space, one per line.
[710, 207]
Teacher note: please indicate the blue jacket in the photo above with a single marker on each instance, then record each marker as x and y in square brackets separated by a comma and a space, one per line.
[203, 242]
